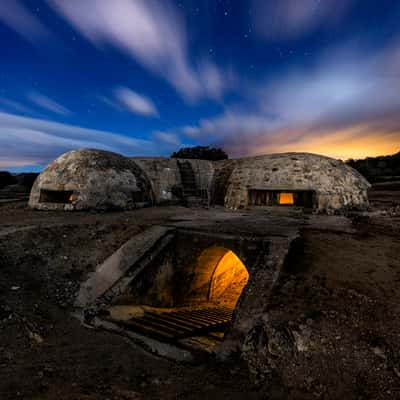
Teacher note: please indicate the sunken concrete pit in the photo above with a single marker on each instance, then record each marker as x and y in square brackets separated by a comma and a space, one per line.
[189, 289]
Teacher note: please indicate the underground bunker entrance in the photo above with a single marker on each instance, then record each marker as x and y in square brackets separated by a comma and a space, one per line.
[296, 198]
[187, 294]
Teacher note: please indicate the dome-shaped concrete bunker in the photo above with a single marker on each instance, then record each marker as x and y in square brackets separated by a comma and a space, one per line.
[96, 179]
[90, 179]
[291, 179]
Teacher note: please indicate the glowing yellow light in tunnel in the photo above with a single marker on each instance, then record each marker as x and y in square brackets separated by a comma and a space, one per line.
[219, 277]
[286, 198]
[229, 278]
[71, 198]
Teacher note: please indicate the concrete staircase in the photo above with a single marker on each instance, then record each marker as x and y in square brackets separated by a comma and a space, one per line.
[192, 195]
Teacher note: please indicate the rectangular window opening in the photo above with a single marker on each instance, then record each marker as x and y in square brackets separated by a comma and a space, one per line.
[56, 196]
[297, 198]
[286, 199]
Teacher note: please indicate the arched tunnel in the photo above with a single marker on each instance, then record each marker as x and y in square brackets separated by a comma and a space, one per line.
[178, 300]
[219, 278]
[190, 288]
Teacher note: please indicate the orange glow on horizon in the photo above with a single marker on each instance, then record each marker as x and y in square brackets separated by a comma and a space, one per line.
[344, 144]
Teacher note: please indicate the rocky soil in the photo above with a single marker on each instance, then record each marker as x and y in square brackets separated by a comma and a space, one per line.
[334, 317]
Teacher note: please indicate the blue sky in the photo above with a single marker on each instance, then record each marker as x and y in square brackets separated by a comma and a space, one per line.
[145, 77]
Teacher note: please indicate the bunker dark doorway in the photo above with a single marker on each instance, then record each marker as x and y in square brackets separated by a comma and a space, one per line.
[56, 196]
[185, 303]
[297, 198]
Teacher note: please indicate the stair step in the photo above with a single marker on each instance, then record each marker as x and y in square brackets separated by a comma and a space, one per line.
[194, 193]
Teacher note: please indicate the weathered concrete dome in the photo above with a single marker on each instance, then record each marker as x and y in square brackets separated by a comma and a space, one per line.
[302, 179]
[90, 179]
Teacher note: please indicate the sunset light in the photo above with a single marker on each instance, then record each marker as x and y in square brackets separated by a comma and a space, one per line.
[144, 78]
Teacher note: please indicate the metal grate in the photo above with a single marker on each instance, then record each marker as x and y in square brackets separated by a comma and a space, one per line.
[179, 323]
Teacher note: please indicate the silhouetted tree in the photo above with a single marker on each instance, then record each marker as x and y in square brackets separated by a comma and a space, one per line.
[27, 179]
[6, 179]
[377, 168]
[201, 153]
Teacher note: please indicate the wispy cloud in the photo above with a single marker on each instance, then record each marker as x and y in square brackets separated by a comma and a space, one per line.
[214, 82]
[48, 104]
[168, 138]
[17, 17]
[135, 102]
[38, 141]
[349, 97]
[7, 104]
[152, 33]
[291, 19]
[109, 102]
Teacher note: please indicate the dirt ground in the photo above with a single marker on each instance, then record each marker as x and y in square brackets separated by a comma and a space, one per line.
[335, 314]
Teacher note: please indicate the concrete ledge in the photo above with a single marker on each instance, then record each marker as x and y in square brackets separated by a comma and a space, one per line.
[115, 266]
[153, 346]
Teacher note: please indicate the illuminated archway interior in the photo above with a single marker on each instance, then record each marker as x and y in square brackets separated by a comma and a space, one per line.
[184, 299]
[219, 278]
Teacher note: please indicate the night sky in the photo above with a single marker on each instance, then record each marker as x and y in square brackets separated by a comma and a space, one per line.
[144, 77]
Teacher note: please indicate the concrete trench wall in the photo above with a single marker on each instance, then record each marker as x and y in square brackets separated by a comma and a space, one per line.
[125, 263]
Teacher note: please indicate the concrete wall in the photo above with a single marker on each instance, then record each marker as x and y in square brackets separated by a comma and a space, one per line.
[165, 177]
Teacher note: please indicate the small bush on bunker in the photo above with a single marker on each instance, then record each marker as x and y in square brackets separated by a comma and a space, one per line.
[201, 153]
